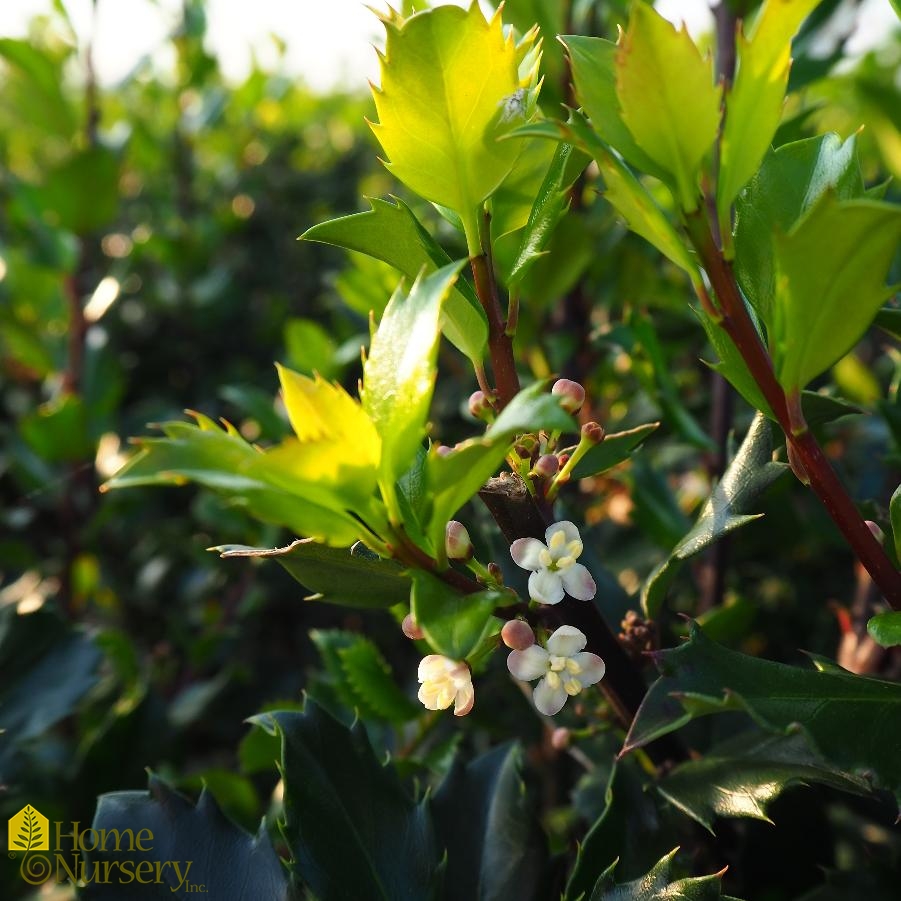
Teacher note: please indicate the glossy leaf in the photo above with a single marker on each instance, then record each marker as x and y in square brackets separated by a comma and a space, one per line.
[454, 624]
[334, 575]
[195, 848]
[668, 98]
[895, 514]
[791, 180]
[846, 717]
[741, 777]
[838, 253]
[885, 628]
[754, 102]
[352, 830]
[616, 448]
[437, 124]
[656, 885]
[748, 475]
[485, 821]
[400, 369]
[392, 233]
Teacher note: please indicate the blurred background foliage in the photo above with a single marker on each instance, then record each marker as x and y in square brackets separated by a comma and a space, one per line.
[149, 262]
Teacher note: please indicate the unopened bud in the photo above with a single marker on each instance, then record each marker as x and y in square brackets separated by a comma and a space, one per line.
[456, 541]
[546, 466]
[480, 405]
[517, 635]
[560, 739]
[410, 628]
[571, 394]
[876, 532]
[495, 572]
[593, 432]
[443, 450]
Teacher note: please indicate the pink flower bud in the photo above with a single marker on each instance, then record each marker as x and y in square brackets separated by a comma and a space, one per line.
[593, 432]
[517, 635]
[546, 466]
[410, 628]
[571, 394]
[480, 405]
[495, 572]
[456, 541]
[560, 739]
[443, 450]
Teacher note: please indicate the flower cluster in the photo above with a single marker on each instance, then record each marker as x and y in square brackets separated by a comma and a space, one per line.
[553, 565]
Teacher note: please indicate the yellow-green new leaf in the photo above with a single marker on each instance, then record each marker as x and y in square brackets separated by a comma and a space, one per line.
[451, 86]
[754, 104]
[669, 101]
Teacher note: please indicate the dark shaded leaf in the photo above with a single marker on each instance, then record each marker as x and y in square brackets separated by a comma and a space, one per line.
[616, 448]
[656, 886]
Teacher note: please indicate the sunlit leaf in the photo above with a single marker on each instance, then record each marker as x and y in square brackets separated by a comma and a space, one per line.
[885, 628]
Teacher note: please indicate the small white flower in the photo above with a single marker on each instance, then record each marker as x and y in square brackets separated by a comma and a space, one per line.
[554, 567]
[564, 668]
[445, 682]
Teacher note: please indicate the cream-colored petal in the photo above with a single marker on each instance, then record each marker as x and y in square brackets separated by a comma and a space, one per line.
[566, 641]
[578, 582]
[465, 699]
[591, 667]
[545, 587]
[549, 700]
[528, 664]
[526, 553]
[569, 530]
[435, 666]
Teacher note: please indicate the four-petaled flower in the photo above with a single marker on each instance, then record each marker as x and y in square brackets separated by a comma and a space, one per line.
[564, 668]
[445, 682]
[554, 568]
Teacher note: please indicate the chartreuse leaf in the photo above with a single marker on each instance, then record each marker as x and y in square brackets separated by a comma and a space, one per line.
[352, 830]
[791, 180]
[830, 283]
[485, 822]
[613, 450]
[668, 99]
[754, 102]
[439, 125]
[335, 575]
[656, 885]
[455, 477]
[193, 849]
[391, 232]
[454, 624]
[740, 778]
[226, 463]
[849, 719]
[748, 475]
[399, 373]
[885, 628]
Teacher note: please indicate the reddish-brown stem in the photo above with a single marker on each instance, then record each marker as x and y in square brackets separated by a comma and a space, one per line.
[500, 344]
[412, 555]
[737, 324]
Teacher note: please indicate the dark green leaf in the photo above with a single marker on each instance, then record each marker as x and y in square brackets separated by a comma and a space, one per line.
[390, 232]
[82, 194]
[485, 821]
[895, 515]
[889, 320]
[849, 719]
[656, 886]
[352, 830]
[532, 409]
[613, 450]
[749, 474]
[885, 628]
[742, 776]
[191, 846]
[454, 624]
[370, 678]
[335, 575]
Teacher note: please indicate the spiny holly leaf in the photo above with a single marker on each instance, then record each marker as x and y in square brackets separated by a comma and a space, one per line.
[439, 122]
[839, 250]
[224, 462]
[668, 98]
[485, 821]
[742, 776]
[193, 846]
[748, 475]
[399, 373]
[391, 232]
[885, 628]
[454, 624]
[352, 830]
[754, 102]
[848, 719]
[334, 575]
[656, 886]
[790, 181]
[613, 450]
